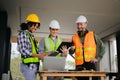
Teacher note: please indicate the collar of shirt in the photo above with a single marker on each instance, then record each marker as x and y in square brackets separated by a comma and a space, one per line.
[51, 37]
[30, 33]
[54, 40]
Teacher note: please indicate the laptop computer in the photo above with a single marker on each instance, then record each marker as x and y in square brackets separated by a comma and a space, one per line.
[52, 63]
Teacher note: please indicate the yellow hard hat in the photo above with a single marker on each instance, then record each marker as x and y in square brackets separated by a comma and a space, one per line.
[32, 18]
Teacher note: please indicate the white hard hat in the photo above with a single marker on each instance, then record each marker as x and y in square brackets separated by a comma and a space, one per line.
[81, 18]
[54, 24]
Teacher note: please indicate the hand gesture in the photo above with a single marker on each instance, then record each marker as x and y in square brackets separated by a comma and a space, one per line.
[72, 47]
[93, 60]
[64, 50]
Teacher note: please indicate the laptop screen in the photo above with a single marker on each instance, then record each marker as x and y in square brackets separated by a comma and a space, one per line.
[52, 63]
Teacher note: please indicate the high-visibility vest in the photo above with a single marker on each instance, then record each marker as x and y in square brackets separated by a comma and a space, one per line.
[34, 44]
[88, 48]
[49, 44]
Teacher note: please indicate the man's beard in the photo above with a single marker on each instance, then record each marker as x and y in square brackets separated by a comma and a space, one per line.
[82, 33]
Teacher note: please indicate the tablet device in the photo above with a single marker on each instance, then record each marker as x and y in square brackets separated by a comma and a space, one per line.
[68, 44]
[53, 54]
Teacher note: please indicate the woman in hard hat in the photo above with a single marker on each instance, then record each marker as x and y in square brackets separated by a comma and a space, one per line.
[86, 43]
[52, 42]
[28, 47]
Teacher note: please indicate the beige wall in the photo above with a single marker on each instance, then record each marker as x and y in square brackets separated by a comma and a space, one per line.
[14, 39]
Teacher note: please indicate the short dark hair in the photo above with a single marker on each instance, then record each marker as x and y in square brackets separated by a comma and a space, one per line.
[24, 26]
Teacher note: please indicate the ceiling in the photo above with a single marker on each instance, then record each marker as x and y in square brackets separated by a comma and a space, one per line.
[103, 15]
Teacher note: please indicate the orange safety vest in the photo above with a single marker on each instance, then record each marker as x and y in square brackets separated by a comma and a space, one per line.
[89, 48]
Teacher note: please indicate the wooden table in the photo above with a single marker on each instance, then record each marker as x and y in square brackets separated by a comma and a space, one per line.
[90, 74]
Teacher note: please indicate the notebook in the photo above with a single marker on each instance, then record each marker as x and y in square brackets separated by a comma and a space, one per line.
[52, 63]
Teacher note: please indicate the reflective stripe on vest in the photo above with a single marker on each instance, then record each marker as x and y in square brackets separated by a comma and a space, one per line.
[34, 50]
[49, 44]
[89, 48]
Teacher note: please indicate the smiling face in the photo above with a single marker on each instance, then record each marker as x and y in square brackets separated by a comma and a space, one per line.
[53, 32]
[81, 26]
[33, 27]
